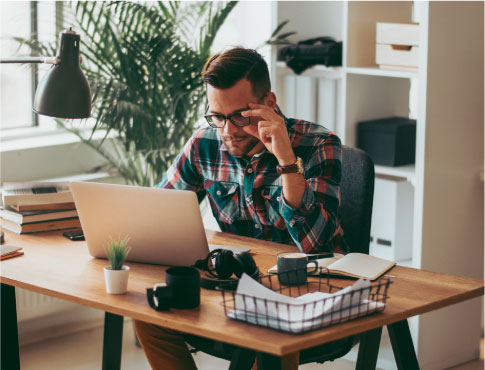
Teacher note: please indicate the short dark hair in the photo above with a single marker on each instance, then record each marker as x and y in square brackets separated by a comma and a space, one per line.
[224, 70]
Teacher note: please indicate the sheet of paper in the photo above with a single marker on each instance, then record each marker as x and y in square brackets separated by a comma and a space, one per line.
[258, 304]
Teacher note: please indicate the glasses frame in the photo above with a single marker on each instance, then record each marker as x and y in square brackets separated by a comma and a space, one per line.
[230, 118]
[206, 116]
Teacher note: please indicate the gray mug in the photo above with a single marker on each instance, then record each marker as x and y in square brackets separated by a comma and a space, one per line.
[292, 268]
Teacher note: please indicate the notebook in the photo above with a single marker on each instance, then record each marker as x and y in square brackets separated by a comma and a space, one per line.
[356, 265]
[164, 226]
[9, 251]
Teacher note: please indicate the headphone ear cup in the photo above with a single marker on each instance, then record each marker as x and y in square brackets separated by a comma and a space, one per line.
[245, 263]
[224, 264]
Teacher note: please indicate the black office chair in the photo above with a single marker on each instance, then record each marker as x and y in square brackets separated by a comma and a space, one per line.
[355, 212]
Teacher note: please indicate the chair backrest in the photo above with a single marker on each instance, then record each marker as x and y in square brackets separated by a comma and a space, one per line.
[357, 195]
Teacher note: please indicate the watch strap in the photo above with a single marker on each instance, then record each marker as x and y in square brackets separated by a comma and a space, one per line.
[296, 167]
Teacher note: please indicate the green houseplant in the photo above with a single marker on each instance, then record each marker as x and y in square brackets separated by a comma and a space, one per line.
[144, 62]
[117, 251]
[116, 274]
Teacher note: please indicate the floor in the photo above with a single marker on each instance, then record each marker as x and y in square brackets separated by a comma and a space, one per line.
[82, 351]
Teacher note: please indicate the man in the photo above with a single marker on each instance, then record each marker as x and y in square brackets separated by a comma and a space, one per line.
[266, 176]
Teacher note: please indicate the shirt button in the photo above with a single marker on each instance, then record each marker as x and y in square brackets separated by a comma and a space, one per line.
[250, 170]
[278, 199]
[218, 192]
[256, 226]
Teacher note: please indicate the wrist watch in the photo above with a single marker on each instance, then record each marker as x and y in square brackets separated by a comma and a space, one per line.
[296, 167]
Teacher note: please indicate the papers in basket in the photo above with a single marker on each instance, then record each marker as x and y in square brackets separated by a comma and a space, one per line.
[260, 305]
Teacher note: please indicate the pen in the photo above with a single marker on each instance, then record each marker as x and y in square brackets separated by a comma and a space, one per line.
[312, 257]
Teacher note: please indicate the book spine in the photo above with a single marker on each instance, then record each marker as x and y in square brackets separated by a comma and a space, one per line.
[41, 226]
[43, 207]
[10, 226]
[290, 96]
[48, 216]
[327, 103]
[33, 199]
[306, 102]
[10, 216]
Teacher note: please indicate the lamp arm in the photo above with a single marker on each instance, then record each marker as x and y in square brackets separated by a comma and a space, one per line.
[46, 60]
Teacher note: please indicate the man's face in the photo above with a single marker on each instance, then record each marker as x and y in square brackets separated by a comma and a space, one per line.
[227, 102]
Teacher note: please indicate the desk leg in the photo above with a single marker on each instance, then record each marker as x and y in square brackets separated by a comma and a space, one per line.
[112, 341]
[242, 359]
[368, 349]
[402, 345]
[9, 337]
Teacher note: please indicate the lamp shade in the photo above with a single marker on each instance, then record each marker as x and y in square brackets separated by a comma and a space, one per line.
[64, 91]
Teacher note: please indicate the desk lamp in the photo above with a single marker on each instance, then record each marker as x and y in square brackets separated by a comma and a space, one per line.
[64, 91]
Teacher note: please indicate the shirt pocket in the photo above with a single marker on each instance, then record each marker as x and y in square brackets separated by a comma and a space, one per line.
[224, 199]
[273, 197]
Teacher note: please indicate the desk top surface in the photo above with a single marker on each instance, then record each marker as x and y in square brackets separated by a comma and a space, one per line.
[57, 267]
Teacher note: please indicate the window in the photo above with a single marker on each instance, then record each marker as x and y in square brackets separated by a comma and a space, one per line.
[247, 25]
[18, 81]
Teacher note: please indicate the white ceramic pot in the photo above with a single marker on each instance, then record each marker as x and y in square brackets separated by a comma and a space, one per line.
[116, 280]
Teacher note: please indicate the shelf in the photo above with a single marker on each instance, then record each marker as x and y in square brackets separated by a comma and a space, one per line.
[337, 72]
[374, 71]
[405, 172]
[315, 71]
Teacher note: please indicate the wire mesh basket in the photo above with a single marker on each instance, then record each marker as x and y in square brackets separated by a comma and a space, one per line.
[305, 307]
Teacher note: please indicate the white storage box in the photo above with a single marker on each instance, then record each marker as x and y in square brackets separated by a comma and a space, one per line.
[397, 45]
[392, 219]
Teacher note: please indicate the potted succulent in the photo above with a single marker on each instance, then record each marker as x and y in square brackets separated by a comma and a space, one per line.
[116, 274]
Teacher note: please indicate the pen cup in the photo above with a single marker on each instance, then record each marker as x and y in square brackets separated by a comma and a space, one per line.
[293, 268]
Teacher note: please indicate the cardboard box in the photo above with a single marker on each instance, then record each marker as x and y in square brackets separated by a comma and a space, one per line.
[397, 45]
[392, 219]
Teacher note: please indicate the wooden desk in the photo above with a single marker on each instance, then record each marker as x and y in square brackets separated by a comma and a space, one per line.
[57, 267]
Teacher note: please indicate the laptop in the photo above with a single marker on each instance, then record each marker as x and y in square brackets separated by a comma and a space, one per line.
[164, 226]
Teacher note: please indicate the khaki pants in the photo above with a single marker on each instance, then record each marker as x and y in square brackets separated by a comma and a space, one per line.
[166, 349]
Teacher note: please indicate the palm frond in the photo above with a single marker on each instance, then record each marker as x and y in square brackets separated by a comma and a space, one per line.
[143, 62]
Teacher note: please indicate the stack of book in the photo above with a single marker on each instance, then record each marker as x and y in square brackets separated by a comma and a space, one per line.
[36, 207]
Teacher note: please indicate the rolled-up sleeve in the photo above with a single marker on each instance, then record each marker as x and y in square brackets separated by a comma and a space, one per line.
[315, 223]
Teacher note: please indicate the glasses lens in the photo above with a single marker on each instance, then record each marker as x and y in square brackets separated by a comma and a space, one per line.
[215, 120]
[239, 120]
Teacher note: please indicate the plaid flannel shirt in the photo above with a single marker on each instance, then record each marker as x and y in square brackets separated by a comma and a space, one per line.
[246, 195]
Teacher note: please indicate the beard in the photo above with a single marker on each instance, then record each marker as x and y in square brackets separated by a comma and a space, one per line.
[240, 145]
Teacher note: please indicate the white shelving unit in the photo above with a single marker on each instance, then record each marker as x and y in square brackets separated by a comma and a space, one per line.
[447, 177]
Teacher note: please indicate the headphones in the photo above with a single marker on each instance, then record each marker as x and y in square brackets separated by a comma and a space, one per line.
[221, 264]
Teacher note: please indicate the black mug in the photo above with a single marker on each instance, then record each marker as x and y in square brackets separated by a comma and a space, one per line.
[293, 268]
[185, 284]
[180, 290]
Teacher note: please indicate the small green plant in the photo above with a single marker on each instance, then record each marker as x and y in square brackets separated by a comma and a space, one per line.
[117, 251]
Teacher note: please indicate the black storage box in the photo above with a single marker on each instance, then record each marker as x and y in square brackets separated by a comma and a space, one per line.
[388, 141]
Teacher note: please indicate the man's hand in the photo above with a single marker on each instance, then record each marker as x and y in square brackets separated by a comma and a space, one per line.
[271, 131]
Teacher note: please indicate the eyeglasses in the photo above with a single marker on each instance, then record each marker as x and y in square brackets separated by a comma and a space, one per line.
[219, 120]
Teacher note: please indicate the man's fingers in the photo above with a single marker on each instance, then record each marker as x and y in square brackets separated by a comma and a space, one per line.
[266, 124]
[266, 113]
[256, 105]
[266, 134]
